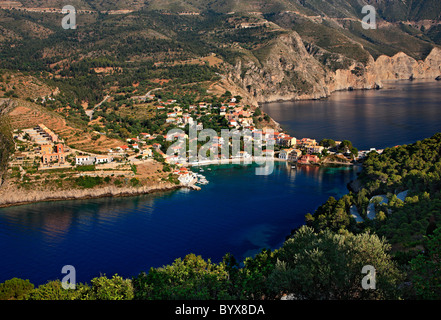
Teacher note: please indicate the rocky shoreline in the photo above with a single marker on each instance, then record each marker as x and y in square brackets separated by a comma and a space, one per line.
[272, 79]
[23, 197]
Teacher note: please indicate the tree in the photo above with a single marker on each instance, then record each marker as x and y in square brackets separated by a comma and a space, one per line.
[327, 265]
[191, 278]
[252, 279]
[15, 289]
[333, 215]
[53, 290]
[124, 133]
[426, 269]
[327, 143]
[115, 288]
[345, 145]
[354, 151]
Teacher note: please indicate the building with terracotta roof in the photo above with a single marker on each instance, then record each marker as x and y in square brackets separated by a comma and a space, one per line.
[308, 159]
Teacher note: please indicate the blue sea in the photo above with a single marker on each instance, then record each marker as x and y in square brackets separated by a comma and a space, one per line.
[237, 212]
[400, 113]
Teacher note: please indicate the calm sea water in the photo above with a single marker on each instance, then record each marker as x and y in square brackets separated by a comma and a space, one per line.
[236, 212]
[401, 113]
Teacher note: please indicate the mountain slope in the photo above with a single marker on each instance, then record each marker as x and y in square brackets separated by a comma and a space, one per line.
[266, 49]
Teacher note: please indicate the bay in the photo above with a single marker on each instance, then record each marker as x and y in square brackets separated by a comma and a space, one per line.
[237, 212]
[403, 112]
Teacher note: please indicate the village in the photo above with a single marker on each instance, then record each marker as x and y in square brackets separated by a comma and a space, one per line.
[40, 149]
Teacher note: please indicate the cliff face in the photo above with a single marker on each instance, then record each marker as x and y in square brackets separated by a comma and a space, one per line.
[287, 71]
[284, 71]
[401, 66]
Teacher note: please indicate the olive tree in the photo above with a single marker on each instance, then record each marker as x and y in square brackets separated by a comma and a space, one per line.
[328, 265]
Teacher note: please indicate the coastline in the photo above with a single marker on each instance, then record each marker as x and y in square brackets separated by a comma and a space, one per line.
[250, 160]
[18, 197]
[345, 89]
[29, 197]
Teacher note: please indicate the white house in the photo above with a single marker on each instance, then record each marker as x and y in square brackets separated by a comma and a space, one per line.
[233, 123]
[102, 159]
[83, 160]
[283, 155]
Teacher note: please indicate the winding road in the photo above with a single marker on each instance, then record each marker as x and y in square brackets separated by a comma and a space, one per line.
[91, 112]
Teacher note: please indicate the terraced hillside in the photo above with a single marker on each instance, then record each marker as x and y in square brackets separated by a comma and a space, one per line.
[27, 115]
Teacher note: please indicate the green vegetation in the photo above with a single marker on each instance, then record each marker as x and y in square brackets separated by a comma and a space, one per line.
[15, 289]
[7, 145]
[148, 49]
[88, 182]
[321, 260]
[426, 271]
[101, 288]
[332, 215]
[329, 268]
[86, 168]
[407, 225]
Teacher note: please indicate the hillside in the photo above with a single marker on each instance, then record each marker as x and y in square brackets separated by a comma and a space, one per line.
[195, 50]
[391, 10]
[28, 115]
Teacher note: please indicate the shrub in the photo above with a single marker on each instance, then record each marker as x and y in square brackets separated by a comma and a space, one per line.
[115, 288]
[328, 266]
[53, 290]
[15, 289]
[88, 182]
[192, 278]
[134, 182]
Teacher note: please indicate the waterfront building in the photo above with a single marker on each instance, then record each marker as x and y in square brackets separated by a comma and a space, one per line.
[294, 155]
[308, 158]
[283, 155]
[314, 149]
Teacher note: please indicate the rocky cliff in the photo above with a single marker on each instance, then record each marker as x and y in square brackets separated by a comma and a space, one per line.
[286, 70]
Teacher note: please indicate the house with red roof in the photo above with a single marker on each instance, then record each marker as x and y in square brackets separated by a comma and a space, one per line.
[308, 159]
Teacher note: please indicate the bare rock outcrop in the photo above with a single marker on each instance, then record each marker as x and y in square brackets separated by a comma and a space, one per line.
[286, 70]
[401, 66]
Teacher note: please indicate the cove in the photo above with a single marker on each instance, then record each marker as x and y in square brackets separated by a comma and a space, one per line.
[237, 212]
[403, 112]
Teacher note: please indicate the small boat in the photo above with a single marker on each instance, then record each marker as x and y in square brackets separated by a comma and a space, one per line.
[293, 167]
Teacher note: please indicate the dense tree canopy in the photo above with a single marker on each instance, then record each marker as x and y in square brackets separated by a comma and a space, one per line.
[327, 265]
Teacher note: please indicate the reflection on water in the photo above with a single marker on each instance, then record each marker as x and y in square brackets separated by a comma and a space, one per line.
[54, 219]
[401, 113]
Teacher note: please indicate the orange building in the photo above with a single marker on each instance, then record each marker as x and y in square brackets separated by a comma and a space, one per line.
[46, 148]
[53, 154]
[307, 159]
